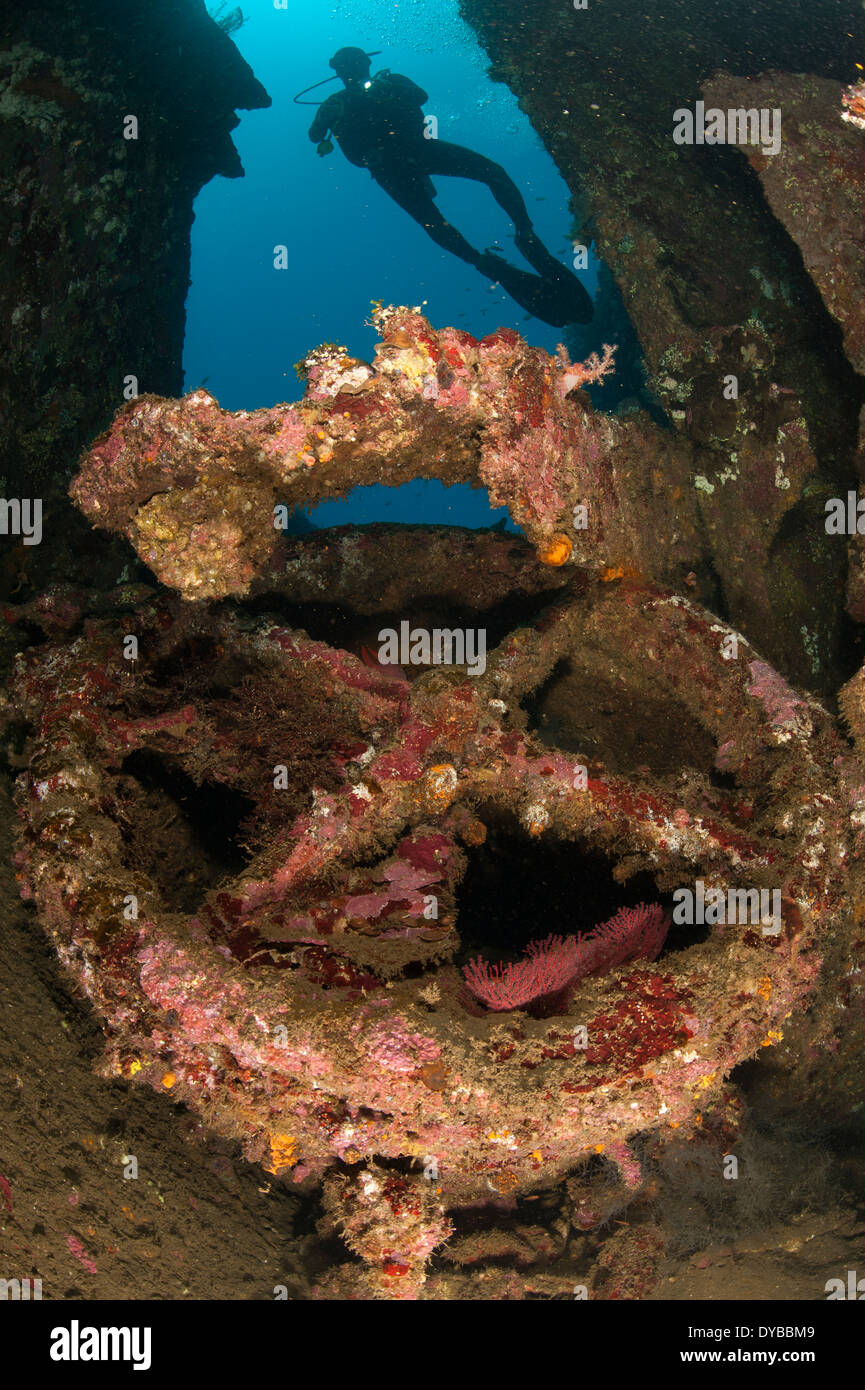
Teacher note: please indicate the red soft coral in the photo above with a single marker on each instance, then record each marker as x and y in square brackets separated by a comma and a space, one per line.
[557, 962]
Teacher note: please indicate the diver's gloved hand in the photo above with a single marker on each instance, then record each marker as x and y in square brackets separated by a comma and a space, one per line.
[324, 147]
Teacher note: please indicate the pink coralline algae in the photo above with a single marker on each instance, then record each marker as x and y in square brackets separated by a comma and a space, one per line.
[634, 933]
[81, 1255]
[394, 1048]
[195, 488]
[308, 1000]
[308, 1004]
[782, 705]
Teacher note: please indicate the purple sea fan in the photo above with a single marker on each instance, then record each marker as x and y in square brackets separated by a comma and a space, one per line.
[634, 933]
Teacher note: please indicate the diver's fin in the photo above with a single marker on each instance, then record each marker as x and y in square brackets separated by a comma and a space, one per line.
[577, 299]
[555, 301]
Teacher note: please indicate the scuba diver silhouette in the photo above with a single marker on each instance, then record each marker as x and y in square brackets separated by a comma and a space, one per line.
[379, 125]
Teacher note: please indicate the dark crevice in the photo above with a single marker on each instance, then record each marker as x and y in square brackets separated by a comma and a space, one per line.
[340, 627]
[517, 889]
[213, 813]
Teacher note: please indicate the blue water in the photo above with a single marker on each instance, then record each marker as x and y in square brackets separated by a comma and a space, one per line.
[248, 323]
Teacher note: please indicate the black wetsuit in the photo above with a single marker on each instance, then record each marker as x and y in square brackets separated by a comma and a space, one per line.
[380, 127]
